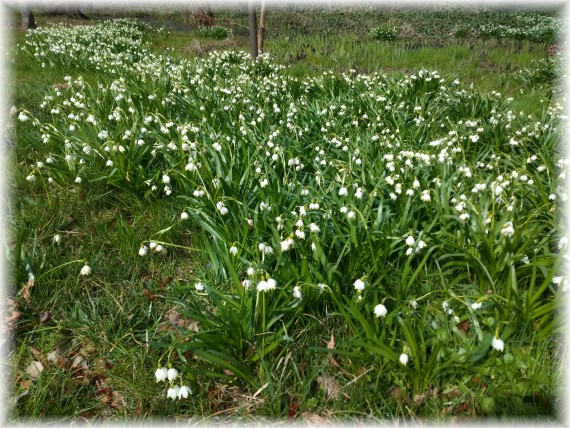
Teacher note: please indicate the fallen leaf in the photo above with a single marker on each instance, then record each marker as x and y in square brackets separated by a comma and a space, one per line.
[45, 316]
[149, 295]
[313, 418]
[34, 369]
[464, 327]
[399, 394]
[79, 363]
[25, 291]
[293, 410]
[59, 360]
[330, 345]
[330, 385]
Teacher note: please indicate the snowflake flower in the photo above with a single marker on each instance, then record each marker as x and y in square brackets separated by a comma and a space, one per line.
[222, 208]
[171, 374]
[184, 392]
[161, 374]
[359, 285]
[297, 292]
[173, 392]
[380, 310]
[498, 344]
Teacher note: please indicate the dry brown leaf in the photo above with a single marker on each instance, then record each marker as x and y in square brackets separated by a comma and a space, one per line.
[79, 363]
[330, 345]
[173, 318]
[25, 291]
[313, 418]
[34, 369]
[330, 385]
[58, 360]
[464, 327]
[13, 315]
[399, 394]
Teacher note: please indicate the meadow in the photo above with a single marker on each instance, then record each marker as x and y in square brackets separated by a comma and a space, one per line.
[361, 226]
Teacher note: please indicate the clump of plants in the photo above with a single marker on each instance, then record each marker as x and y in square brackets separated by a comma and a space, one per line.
[385, 32]
[422, 220]
[217, 32]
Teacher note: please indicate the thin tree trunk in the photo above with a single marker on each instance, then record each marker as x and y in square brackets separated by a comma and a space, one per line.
[28, 21]
[252, 30]
[261, 29]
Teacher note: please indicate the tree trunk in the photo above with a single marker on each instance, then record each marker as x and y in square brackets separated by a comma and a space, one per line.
[75, 12]
[252, 30]
[261, 29]
[28, 21]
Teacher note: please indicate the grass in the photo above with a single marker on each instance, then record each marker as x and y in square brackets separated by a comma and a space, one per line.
[107, 331]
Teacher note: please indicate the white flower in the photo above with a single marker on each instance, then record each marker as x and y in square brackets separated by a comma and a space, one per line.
[264, 182]
[476, 305]
[403, 359]
[425, 196]
[380, 310]
[415, 185]
[250, 271]
[498, 344]
[78, 180]
[271, 284]
[359, 285]
[190, 167]
[343, 191]
[172, 374]
[351, 215]
[143, 250]
[297, 292]
[233, 250]
[343, 210]
[300, 234]
[286, 244]
[198, 286]
[22, 117]
[217, 147]
[159, 248]
[508, 229]
[161, 374]
[464, 216]
[31, 178]
[314, 228]
[165, 179]
[358, 193]
[262, 286]
[410, 241]
[173, 392]
[85, 270]
[222, 208]
[414, 304]
[563, 243]
[184, 392]
[109, 163]
[184, 216]
[56, 238]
